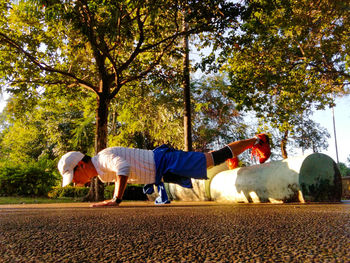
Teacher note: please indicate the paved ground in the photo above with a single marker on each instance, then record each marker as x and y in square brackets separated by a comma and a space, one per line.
[179, 232]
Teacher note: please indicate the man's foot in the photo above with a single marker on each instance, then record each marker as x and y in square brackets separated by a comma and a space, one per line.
[261, 149]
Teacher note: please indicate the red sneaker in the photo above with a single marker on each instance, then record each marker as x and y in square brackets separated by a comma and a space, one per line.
[232, 163]
[261, 149]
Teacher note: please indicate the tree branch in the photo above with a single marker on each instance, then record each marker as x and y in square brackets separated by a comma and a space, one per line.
[330, 71]
[137, 50]
[44, 66]
[98, 44]
[144, 73]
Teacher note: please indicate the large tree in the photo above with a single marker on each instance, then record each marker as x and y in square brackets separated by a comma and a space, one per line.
[286, 58]
[102, 46]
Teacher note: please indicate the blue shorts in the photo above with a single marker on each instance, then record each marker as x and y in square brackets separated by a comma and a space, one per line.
[172, 163]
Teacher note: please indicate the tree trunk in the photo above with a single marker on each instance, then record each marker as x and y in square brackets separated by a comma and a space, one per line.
[96, 192]
[284, 145]
[187, 93]
[101, 123]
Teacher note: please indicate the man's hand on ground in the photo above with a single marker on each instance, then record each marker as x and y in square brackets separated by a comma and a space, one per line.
[105, 203]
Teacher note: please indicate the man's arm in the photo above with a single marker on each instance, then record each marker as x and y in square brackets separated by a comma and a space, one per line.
[119, 189]
[120, 186]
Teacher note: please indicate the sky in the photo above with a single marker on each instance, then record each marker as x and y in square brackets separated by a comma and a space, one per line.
[342, 127]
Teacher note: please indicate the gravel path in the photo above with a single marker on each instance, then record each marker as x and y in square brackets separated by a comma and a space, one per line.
[179, 232]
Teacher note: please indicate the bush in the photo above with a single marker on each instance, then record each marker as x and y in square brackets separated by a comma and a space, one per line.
[30, 179]
[109, 191]
[344, 170]
[68, 191]
[132, 192]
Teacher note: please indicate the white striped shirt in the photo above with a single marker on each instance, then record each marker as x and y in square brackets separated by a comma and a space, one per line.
[138, 164]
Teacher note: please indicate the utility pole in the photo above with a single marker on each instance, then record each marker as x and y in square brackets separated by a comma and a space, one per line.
[335, 136]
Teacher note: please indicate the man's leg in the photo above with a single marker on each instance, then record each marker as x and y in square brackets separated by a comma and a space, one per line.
[240, 146]
[236, 148]
[260, 145]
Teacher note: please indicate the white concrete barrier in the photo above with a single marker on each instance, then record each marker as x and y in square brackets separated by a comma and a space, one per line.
[310, 178]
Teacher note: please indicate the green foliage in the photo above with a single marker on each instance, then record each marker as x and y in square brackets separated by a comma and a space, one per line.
[6, 200]
[85, 42]
[55, 122]
[216, 120]
[344, 170]
[286, 58]
[22, 142]
[109, 191]
[310, 135]
[31, 179]
[68, 191]
[95, 44]
[284, 61]
[148, 115]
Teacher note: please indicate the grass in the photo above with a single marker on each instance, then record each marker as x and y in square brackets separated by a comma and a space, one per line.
[10, 200]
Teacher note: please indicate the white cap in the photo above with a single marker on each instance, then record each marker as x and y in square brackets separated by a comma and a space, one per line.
[67, 164]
